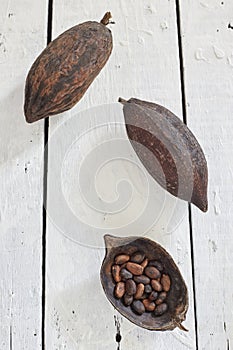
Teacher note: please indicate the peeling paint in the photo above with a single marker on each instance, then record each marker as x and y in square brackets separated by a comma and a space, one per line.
[199, 55]
[218, 52]
[140, 40]
[213, 245]
[164, 25]
[230, 60]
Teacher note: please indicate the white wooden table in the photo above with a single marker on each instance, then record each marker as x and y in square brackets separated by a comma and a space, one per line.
[176, 53]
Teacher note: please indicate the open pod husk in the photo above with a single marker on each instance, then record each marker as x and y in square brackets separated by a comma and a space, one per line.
[177, 298]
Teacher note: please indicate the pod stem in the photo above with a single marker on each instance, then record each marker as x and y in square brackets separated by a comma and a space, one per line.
[121, 100]
[106, 19]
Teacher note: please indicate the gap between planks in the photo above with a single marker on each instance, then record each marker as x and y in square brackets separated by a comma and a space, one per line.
[184, 113]
[45, 186]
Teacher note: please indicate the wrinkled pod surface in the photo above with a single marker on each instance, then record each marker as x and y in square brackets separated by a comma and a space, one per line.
[168, 150]
[65, 69]
[143, 283]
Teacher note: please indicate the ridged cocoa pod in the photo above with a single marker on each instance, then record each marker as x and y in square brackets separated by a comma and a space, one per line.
[168, 150]
[176, 298]
[63, 72]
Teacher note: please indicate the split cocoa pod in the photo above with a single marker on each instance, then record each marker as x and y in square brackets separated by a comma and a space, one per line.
[143, 283]
[168, 150]
[63, 72]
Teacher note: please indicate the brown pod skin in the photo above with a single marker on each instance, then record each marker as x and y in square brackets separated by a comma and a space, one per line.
[176, 300]
[62, 73]
[168, 150]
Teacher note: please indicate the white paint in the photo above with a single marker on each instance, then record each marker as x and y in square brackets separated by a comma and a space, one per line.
[144, 62]
[209, 89]
[146, 71]
[21, 171]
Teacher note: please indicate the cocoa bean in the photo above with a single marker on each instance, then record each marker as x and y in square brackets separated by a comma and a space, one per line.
[149, 305]
[162, 296]
[148, 288]
[116, 273]
[138, 307]
[119, 290]
[121, 259]
[144, 296]
[166, 282]
[156, 285]
[160, 309]
[142, 279]
[134, 268]
[130, 287]
[125, 274]
[140, 291]
[128, 299]
[144, 263]
[137, 257]
[156, 264]
[152, 272]
[153, 295]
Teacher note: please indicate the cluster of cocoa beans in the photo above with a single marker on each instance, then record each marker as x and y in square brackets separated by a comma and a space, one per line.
[140, 283]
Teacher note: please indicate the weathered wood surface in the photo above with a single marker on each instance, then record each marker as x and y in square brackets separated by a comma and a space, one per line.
[22, 37]
[88, 158]
[144, 62]
[208, 48]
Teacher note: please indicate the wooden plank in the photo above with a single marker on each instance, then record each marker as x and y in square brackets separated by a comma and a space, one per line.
[208, 47]
[145, 64]
[22, 37]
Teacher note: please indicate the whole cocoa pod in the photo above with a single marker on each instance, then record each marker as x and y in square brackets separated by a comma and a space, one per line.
[63, 72]
[168, 150]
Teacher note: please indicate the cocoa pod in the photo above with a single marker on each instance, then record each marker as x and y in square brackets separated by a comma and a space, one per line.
[175, 301]
[62, 73]
[168, 150]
